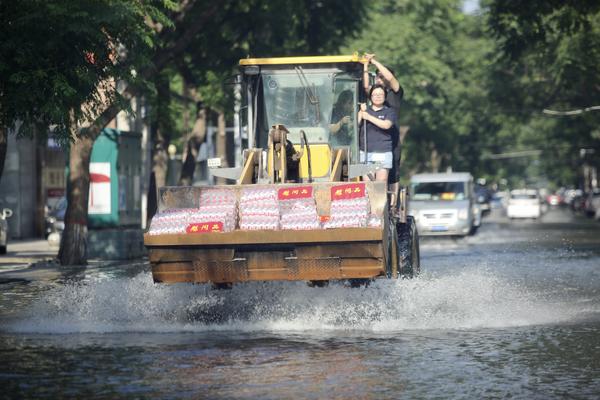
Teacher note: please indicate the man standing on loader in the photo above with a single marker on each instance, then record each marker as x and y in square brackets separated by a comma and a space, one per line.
[393, 97]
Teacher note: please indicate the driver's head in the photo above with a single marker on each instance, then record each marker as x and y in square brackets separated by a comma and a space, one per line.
[345, 97]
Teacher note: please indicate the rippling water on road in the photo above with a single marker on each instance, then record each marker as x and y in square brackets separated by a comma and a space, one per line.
[513, 311]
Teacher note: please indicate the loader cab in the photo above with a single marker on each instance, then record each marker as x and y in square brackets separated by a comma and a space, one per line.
[309, 96]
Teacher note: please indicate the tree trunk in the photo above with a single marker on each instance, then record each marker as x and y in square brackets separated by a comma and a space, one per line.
[3, 148]
[187, 92]
[190, 153]
[73, 245]
[158, 176]
[160, 163]
[435, 160]
[40, 162]
[221, 144]
[160, 140]
[159, 61]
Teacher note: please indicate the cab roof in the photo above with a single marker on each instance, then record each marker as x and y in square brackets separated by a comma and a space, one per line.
[354, 58]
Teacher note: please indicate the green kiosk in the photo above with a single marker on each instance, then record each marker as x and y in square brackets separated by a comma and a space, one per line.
[114, 209]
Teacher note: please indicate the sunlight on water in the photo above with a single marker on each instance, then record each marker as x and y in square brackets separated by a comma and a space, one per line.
[472, 298]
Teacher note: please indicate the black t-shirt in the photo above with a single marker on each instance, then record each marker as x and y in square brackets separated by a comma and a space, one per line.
[379, 140]
[393, 99]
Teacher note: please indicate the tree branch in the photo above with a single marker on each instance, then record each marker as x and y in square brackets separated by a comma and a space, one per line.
[163, 57]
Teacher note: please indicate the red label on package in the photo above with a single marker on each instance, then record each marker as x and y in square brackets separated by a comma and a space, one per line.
[298, 192]
[349, 191]
[205, 227]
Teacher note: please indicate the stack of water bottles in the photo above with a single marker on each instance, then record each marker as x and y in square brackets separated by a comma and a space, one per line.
[217, 205]
[171, 221]
[299, 214]
[259, 209]
[349, 211]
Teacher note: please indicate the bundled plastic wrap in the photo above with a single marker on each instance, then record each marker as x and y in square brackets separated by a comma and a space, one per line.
[170, 221]
[350, 207]
[211, 220]
[217, 205]
[299, 214]
[217, 212]
[217, 196]
[191, 220]
[259, 209]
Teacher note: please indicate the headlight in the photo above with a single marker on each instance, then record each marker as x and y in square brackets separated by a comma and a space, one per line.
[51, 220]
[463, 214]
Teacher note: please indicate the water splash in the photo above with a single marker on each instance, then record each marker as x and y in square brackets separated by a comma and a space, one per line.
[472, 298]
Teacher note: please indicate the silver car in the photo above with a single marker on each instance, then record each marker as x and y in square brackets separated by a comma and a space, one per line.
[444, 204]
[6, 213]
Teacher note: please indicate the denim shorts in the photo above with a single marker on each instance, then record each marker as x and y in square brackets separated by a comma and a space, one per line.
[385, 159]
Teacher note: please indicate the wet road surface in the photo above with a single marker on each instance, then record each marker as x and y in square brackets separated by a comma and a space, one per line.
[513, 311]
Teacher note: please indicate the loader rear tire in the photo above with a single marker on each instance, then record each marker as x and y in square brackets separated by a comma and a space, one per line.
[409, 259]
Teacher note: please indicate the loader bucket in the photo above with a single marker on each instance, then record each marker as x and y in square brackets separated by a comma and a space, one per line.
[238, 233]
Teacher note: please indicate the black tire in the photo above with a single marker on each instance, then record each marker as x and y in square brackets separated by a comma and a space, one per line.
[473, 230]
[2, 249]
[356, 283]
[318, 284]
[409, 258]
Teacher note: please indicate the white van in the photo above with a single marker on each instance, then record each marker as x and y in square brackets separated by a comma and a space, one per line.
[444, 204]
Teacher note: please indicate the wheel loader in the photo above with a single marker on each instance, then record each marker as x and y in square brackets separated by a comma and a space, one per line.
[301, 206]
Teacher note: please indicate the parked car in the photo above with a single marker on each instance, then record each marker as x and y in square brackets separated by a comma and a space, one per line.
[554, 199]
[524, 203]
[444, 204]
[6, 213]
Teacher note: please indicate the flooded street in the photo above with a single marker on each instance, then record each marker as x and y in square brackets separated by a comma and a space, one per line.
[513, 311]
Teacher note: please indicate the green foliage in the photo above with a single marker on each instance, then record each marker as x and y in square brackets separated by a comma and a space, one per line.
[54, 54]
[550, 60]
[437, 54]
[475, 85]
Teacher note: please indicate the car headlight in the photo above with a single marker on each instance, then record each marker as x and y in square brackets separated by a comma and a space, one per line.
[463, 214]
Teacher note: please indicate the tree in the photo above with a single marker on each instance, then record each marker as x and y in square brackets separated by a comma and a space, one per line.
[208, 39]
[550, 59]
[59, 62]
[85, 47]
[55, 55]
[438, 55]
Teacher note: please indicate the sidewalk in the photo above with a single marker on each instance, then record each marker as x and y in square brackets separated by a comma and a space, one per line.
[28, 260]
[35, 260]
[22, 253]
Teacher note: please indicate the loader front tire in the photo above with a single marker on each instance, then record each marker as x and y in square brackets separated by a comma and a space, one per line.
[409, 259]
